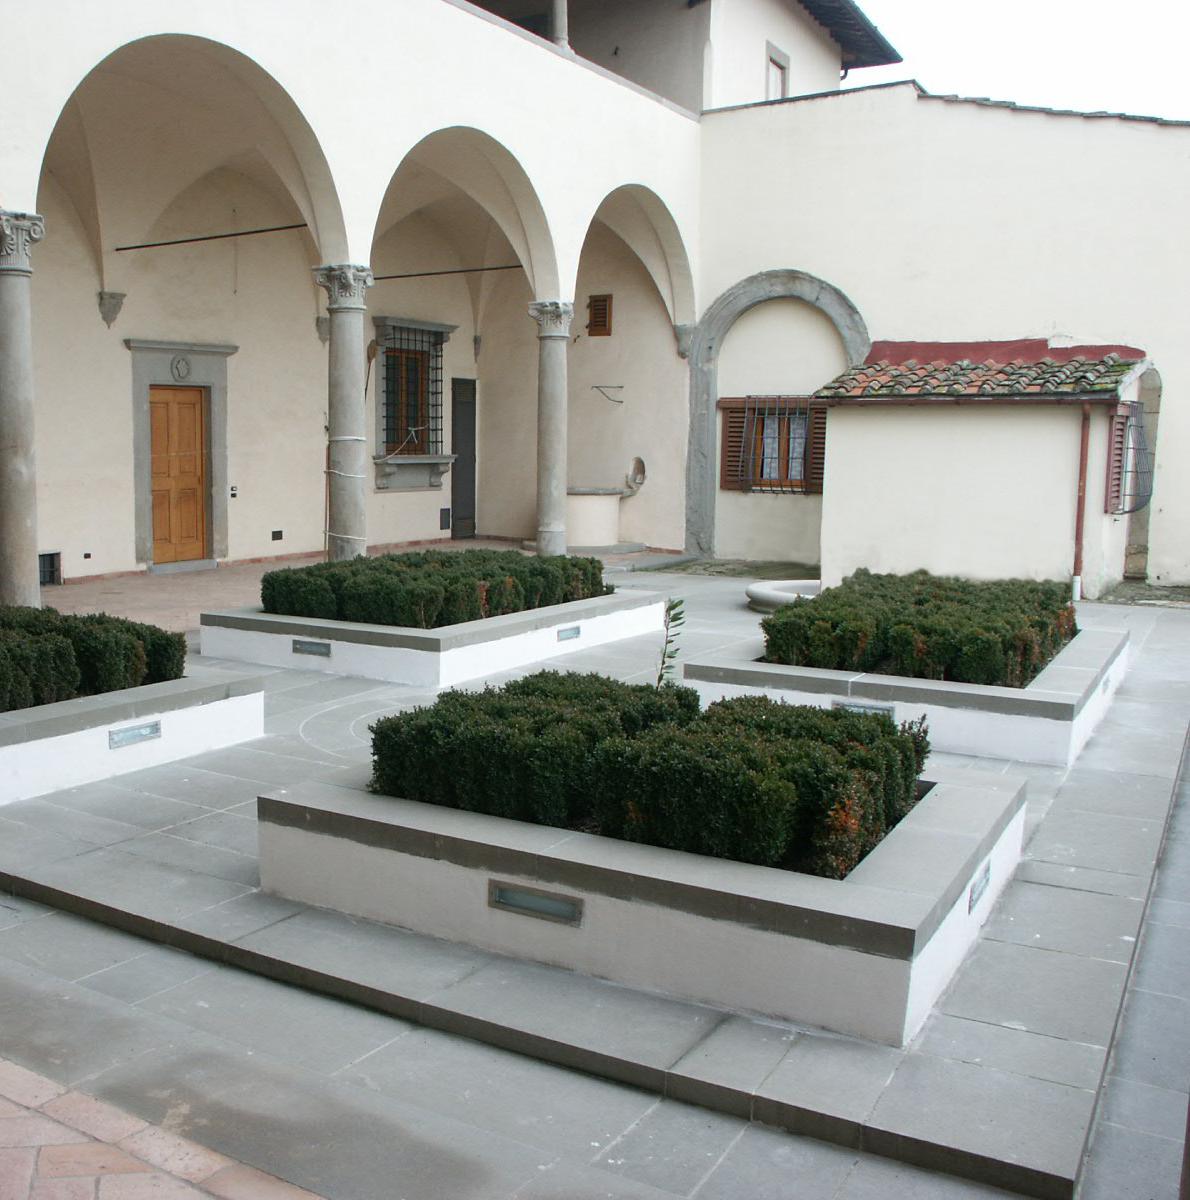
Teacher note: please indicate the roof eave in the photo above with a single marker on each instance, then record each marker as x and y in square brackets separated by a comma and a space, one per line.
[942, 400]
[862, 43]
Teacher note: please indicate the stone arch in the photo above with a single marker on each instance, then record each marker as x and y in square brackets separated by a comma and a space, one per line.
[642, 220]
[283, 139]
[705, 340]
[488, 173]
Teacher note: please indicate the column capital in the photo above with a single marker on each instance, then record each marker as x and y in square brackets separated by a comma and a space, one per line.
[553, 317]
[345, 285]
[18, 232]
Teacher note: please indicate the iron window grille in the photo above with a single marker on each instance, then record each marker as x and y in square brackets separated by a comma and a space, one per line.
[1129, 461]
[411, 419]
[772, 444]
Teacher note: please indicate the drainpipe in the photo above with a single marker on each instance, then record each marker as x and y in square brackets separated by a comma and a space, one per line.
[560, 26]
[1080, 505]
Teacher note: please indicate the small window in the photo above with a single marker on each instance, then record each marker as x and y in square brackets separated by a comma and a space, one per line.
[776, 84]
[599, 316]
[772, 444]
[410, 399]
[49, 568]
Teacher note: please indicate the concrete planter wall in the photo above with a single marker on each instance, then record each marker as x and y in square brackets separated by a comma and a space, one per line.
[429, 657]
[866, 956]
[1049, 721]
[55, 746]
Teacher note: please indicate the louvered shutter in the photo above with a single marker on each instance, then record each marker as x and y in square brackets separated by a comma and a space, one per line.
[1117, 445]
[816, 450]
[731, 453]
[599, 316]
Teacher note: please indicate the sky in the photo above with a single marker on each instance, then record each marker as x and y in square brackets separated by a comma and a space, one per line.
[1131, 56]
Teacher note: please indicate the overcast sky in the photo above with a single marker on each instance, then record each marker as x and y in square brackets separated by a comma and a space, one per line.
[1084, 54]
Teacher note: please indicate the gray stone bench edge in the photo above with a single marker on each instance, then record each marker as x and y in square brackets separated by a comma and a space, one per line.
[1073, 675]
[109, 708]
[885, 921]
[434, 641]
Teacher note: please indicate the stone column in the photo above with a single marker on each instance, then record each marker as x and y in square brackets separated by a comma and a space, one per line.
[560, 24]
[347, 532]
[553, 320]
[19, 579]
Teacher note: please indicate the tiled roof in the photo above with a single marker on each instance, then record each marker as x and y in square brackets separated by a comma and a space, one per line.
[1078, 376]
[863, 45]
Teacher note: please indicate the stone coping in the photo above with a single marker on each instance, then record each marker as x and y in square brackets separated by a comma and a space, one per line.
[890, 905]
[91, 712]
[1059, 692]
[447, 637]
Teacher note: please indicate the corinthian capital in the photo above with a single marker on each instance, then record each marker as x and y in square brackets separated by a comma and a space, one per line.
[18, 232]
[345, 284]
[552, 316]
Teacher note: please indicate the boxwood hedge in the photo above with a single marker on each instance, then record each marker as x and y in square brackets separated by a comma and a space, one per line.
[751, 780]
[47, 656]
[430, 588]
[927, 627]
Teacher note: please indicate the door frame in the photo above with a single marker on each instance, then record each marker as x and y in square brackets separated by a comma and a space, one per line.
[180, 364]
[475, 455]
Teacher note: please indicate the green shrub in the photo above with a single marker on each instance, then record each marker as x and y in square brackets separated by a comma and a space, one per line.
[926, 626]
[428, 589]
[46, 656]
[749, 779]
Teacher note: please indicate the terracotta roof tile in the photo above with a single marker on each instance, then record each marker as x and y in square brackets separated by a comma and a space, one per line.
[1076, 377]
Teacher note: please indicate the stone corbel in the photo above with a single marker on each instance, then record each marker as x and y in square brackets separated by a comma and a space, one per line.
[110, 304]
[410, 472]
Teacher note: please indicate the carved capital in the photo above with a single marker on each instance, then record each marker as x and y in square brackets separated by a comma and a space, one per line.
[345, 285]
[553, 317]
[18, 232]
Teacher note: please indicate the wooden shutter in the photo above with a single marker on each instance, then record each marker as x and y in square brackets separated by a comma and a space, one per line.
[1117, 444]
[599, 316]
[816, 450]
[731, 451]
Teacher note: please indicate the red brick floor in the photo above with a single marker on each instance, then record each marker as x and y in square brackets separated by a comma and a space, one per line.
[59, 1144]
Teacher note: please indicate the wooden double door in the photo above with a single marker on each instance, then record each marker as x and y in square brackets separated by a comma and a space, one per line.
[178, 433]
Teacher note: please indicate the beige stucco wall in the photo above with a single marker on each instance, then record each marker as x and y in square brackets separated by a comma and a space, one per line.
[641, 359]
[740, 33]
[977, 224]
[780, 348]
[987, 493]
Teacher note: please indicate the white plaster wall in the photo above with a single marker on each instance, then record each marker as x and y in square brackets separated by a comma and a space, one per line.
[987, 493]
[254, 292]
[740, 33]
[785, 348]
[939, 243]
[660, 45]
[640, 357]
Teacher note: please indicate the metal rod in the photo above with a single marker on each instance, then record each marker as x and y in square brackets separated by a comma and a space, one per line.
[212, 237]
[456, 271]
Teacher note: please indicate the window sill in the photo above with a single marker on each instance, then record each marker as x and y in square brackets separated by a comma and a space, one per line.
[410, 472]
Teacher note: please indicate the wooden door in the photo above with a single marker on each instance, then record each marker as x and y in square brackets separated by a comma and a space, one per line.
[177, 423]
[462, 488]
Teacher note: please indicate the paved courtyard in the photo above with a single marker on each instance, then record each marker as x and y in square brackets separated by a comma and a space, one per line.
[352, 1103]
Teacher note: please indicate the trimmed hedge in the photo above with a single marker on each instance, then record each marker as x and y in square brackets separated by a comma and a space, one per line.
[430, 588]
[47, 656]
[927, 627]
[805, 788]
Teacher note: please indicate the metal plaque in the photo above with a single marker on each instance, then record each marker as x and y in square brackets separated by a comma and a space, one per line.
[130, 735]
[979, 885]
[569, 633]
[318, 649]
[859, 706]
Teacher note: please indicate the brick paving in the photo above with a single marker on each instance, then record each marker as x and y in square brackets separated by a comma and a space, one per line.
[61, 1144]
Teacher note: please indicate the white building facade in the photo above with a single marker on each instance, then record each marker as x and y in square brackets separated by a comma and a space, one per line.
[281, 279]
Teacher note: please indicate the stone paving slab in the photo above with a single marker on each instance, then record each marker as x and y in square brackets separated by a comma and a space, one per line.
[62, 1144]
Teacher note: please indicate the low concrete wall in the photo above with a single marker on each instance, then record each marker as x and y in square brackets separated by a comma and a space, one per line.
[1049, 721]
[55, 746]
[867, 956]
[429, 657]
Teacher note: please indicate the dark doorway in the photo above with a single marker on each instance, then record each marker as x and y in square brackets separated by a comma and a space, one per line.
[462, 423]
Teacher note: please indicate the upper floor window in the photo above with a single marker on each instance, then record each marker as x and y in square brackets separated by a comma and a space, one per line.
[777, 78]
[599, 316]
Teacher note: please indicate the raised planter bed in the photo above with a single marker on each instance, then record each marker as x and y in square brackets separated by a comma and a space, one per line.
[55, 746]
[867, 956]
[429, 657]
[1047, 721]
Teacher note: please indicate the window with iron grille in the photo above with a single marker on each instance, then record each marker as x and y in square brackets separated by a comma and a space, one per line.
[411, 396]
[772, 444]
[1129, 462]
